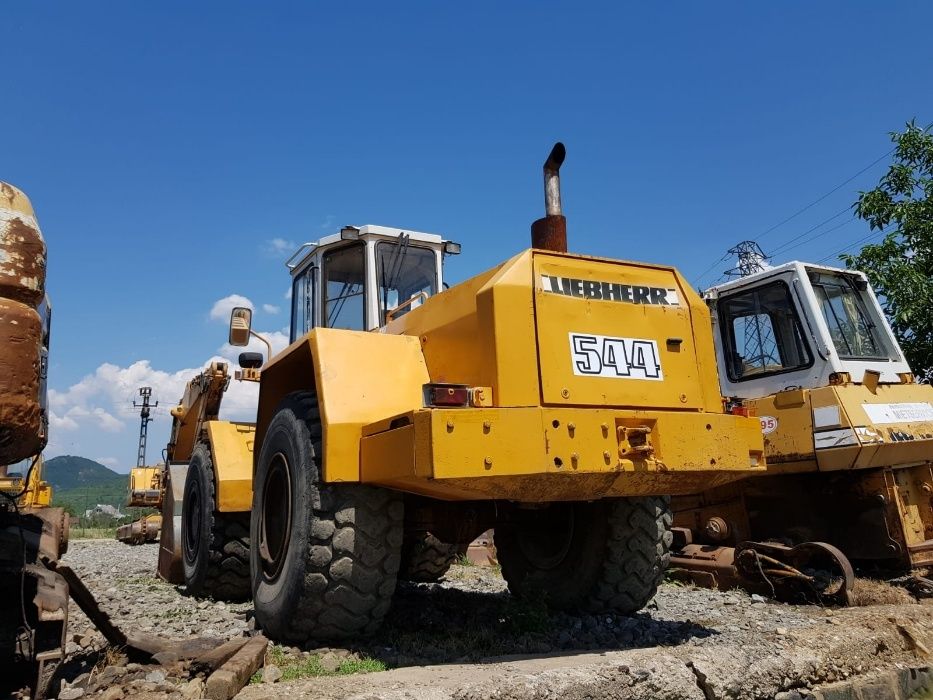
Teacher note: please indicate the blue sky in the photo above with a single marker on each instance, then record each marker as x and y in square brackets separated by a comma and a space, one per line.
[173, 150]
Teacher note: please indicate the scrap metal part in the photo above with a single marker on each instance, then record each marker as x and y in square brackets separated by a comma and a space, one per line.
[23, 418]
[34, 623]
[813, 572]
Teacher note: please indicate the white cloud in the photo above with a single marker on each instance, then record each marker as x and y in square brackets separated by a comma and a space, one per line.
[279, 247]
[288, 294]
[328, 222]
[222, 307]
[105, 421]
[271, 309]
[107, 461]
[65, 422]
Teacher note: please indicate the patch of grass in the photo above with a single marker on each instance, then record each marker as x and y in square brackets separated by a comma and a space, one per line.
[530, 614]
[464, 560]
[293, 667]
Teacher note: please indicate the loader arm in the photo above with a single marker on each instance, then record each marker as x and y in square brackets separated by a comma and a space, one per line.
[199, 404]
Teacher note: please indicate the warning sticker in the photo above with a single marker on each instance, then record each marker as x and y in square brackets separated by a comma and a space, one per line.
[899, 412]
[621, 358]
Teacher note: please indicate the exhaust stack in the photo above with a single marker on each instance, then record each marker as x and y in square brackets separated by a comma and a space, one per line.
[550, 233]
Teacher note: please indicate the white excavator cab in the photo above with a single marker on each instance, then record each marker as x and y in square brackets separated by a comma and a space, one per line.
[362, 277]
[801, 325]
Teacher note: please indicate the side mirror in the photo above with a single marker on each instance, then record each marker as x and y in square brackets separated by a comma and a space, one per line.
[241, 319]
[250, 360]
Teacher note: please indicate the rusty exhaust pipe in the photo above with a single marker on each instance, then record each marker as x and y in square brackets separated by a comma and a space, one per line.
[550, 233]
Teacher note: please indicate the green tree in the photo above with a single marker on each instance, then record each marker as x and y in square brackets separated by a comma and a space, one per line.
[900, 267]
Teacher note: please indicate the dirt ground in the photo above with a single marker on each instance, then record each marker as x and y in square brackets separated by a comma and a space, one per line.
[466, 638]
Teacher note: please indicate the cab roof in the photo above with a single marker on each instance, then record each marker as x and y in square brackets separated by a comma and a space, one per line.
[793, 266]
[365, 232]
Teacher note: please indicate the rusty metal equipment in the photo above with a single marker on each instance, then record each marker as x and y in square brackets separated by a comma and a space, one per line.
[811, 572]
[34, 614]
[146, 529]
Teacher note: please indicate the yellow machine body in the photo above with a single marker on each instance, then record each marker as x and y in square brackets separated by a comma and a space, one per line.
[145, 487]
[837, 427]
[536, 429]
[36, 493]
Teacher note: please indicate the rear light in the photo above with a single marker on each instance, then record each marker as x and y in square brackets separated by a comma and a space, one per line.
[740, 411]
[446, 395]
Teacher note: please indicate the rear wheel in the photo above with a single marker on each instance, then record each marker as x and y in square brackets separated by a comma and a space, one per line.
[215, 545]
[324, 557]
[425, 558]
[607, 555]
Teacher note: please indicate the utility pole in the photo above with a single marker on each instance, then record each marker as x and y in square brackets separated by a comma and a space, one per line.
[144, 409]
[751, 259]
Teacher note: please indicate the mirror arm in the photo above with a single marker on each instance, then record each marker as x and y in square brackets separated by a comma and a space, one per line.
[268, 344]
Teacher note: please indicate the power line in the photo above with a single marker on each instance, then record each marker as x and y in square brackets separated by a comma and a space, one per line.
[806, 208]
[832, 191]
[819, 235]
[784, 245]
[873, 234]
[707, 270]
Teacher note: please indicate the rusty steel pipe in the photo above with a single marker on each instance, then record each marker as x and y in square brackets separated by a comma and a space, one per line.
[550, 233]
[552, 180]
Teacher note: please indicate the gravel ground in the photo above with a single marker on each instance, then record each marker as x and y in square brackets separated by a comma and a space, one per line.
[688, 643]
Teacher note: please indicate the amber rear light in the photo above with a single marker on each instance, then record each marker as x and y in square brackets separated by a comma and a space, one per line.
[446, 395]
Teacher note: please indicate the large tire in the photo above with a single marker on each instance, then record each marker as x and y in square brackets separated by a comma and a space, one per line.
[324, 556]
[425, 559]
[601, 556]
[215, 545]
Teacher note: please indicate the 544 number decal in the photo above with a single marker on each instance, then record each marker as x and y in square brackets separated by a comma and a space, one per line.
[621, 358]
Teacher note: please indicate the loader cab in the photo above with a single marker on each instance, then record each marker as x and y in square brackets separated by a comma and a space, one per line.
[800, 325]
[362, 277]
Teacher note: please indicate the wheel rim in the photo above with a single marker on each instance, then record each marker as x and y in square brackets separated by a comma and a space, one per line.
[546, 540]
[275, 520]
[192, 521]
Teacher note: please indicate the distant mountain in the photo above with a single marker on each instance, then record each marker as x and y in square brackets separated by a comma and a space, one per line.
[69, 472]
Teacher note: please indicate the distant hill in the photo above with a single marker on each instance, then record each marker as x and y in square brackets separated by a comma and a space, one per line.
[70, 472]
[79, 483]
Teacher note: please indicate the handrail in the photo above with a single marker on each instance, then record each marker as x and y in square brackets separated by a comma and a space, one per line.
[390, 315]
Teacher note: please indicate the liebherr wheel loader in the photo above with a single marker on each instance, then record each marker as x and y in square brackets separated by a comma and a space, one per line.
[556, 397]
[848, 436]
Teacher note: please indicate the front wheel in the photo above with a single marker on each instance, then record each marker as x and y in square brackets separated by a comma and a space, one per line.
[215, 551]
[600, 556]
[324, 557]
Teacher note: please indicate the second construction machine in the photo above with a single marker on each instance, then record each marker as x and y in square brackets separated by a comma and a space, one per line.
[848, 436]
[556, 397]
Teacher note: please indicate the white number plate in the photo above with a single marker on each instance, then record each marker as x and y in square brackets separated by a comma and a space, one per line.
[899, 412]
[620, 358]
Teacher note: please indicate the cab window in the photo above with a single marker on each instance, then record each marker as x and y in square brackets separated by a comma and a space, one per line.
[762, 334]
[303, 303]
[854, 336]
[403, 271]
[344, 276]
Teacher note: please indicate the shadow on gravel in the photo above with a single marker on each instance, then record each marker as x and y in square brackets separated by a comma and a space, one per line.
[430, 624]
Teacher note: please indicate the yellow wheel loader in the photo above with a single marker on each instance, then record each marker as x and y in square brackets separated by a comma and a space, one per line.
[145, 491]
[848, 436]
[556, 397]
